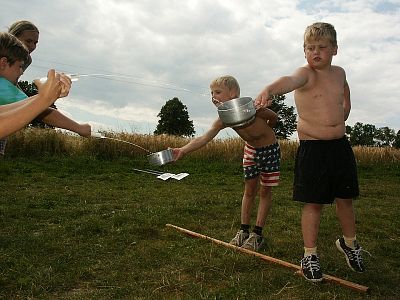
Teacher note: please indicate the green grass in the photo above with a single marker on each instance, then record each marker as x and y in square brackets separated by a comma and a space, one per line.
[86, 228]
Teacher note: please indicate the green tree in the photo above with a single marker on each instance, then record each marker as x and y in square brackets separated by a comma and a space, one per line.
[384, 137]
[30, 89]
[348, 130]
[286, 124]
[174, 119]
[362, 134]
[396, 142]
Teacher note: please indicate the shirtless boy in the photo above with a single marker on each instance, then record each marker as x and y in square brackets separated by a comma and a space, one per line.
[325, 169]
[261, 160]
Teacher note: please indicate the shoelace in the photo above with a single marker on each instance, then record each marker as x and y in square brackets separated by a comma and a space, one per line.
[254, 241]
[251, 240]
[355, 254]
[238, 238]
[312, 265]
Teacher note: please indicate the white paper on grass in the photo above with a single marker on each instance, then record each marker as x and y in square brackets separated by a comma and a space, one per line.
[165, 176]
[180, 176]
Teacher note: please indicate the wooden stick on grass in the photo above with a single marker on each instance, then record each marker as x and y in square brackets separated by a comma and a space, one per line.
[345, 283]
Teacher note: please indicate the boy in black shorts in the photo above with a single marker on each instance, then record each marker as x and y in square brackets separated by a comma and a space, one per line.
[325, 164]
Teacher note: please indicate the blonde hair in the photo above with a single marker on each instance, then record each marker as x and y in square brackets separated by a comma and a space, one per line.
[12, 48]
[320, 30]
[227, 80]
[19, 27]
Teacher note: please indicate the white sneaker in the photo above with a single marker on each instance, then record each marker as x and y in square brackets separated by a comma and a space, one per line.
[254, 242]
[239, 238]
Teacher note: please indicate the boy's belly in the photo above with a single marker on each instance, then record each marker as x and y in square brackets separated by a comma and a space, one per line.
[258, 134]
[309, 131]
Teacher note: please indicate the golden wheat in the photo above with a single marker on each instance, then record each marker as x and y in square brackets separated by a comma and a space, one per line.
[33, 141]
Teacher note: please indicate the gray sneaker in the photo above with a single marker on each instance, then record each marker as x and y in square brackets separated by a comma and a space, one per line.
[239, 238]
[254, 242]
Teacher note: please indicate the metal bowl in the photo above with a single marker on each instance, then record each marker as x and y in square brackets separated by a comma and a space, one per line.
[161, 158]
[237, 112]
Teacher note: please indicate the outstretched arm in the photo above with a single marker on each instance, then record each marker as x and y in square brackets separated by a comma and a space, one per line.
[15, 116]
[281, 86]
[200, 141]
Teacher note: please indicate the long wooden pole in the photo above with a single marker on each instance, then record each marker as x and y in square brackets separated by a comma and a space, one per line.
[345, 283]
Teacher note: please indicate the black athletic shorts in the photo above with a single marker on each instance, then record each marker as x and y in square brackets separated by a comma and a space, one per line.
[325, 170]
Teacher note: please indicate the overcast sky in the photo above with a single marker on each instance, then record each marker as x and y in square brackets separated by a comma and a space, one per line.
[155, 50]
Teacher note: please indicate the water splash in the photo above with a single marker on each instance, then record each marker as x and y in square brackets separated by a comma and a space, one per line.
[122, 141]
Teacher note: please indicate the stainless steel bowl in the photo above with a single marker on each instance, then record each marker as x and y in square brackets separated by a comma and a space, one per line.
[161, 158]
[237, 112]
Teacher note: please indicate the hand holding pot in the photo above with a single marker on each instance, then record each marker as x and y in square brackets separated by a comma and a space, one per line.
[263, 99]
[177, 153]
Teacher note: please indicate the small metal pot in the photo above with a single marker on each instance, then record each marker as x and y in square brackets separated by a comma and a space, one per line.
[161, 158]
[237, 112]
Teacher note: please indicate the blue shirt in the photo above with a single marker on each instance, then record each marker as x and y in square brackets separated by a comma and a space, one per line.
[10, 93]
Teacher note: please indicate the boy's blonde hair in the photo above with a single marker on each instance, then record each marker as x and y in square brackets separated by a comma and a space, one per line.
[12, 48]
[20, 26]
[229, 81]
[320, 30]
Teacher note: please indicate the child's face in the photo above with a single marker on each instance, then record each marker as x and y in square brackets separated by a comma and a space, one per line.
[319, 53]
[30, 39]
[11, 73]
[221, 93]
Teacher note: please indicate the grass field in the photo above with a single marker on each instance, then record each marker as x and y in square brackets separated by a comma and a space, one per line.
[89, 227]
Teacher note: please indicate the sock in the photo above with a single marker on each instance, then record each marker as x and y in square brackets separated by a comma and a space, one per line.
[310, 251]
[350, 242]
[257, 230]
[245, 227]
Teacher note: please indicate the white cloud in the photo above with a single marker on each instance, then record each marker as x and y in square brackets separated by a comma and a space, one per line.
[164, 49]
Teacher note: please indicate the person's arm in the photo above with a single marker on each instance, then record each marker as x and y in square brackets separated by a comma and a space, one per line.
[268, 115]
[15, 116]
[346, 100]
[200, 141]
[281, 86]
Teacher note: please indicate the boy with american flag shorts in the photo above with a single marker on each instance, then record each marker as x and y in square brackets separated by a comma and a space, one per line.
[261, 160]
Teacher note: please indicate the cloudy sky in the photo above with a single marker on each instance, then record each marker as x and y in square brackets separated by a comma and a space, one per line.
[152, 51]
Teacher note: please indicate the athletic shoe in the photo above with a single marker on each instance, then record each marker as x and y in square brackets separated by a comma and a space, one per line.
[353, 256]
[254, 242]
[311, 268]
[239, 238]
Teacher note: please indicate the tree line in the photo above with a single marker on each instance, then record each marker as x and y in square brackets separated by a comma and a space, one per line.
[369, 135]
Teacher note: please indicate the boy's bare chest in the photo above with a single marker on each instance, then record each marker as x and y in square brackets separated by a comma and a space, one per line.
[324, 87]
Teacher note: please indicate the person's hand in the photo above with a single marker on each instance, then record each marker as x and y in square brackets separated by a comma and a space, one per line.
[66, 84]
[177, 153]
[51, 88]
[263, 99]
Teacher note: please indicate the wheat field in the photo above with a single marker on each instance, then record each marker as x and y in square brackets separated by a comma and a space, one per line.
[34, 141]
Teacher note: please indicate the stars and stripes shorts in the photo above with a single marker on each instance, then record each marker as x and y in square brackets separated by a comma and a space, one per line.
[262, 162]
